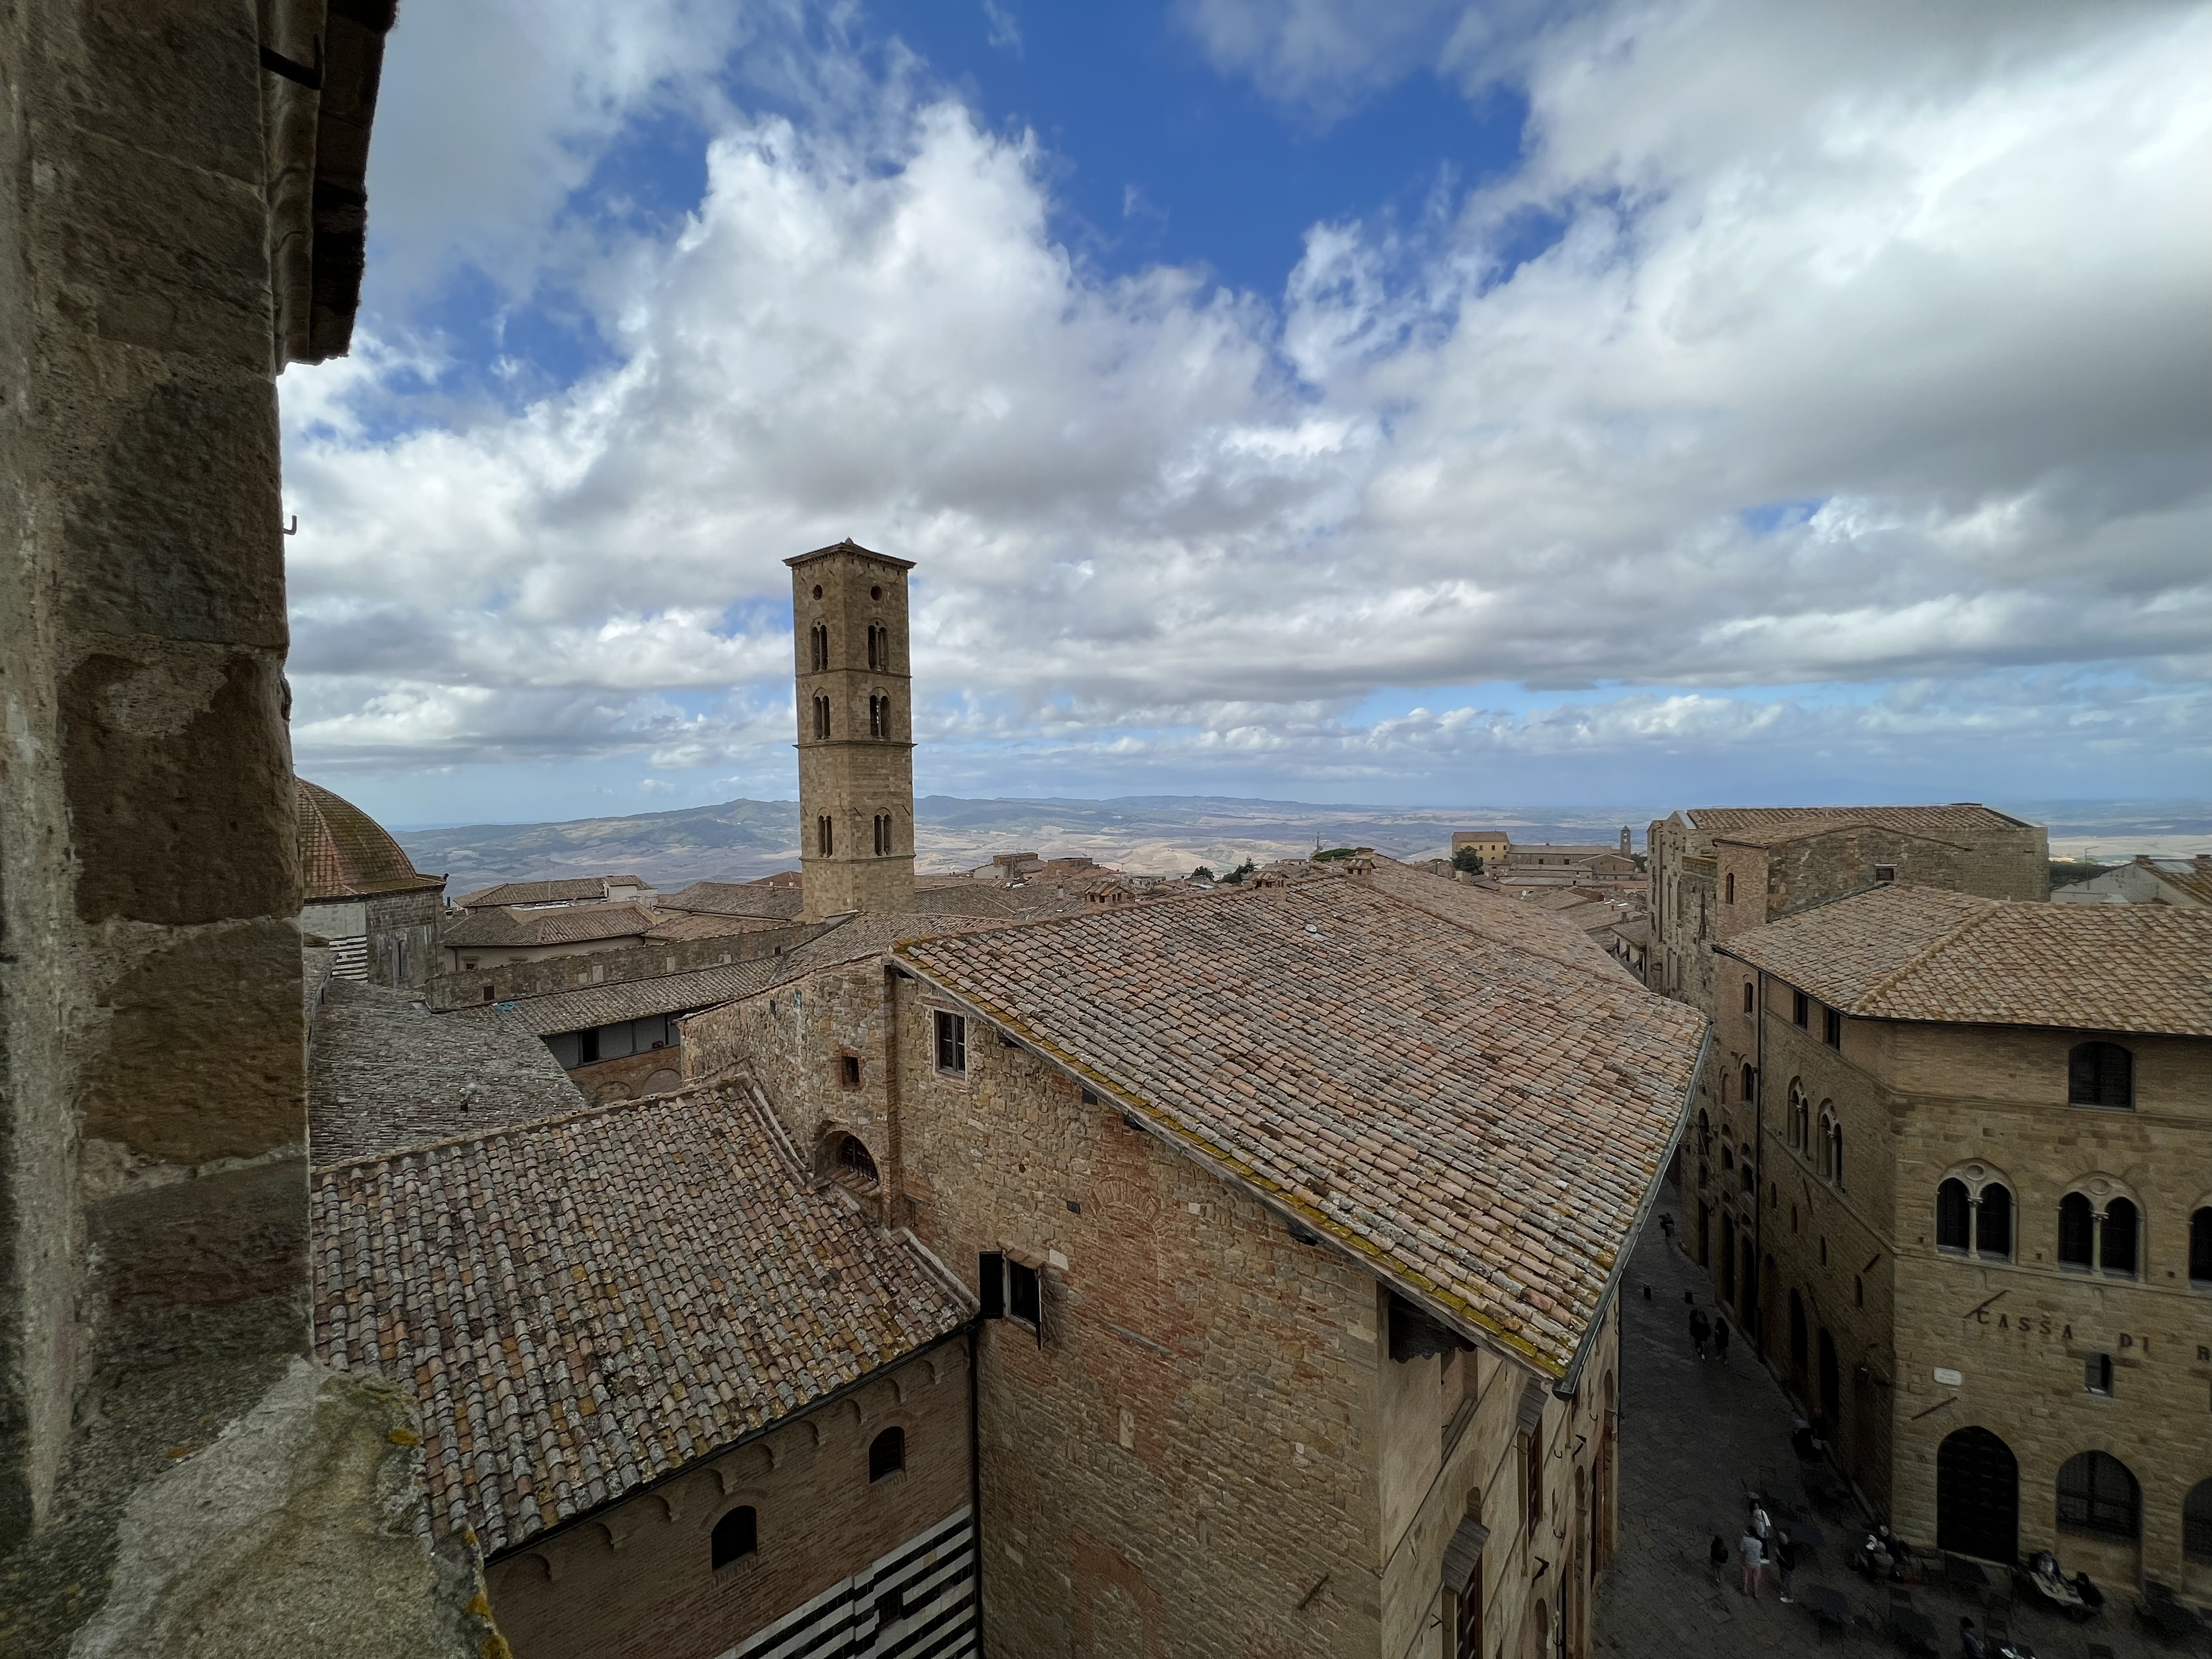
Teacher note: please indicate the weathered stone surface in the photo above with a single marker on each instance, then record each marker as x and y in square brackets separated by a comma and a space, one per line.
[256, 1545]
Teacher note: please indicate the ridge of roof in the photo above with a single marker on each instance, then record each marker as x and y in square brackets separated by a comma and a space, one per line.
[1990, 908]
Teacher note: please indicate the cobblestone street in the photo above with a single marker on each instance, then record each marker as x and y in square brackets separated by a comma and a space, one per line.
[1695, 1438]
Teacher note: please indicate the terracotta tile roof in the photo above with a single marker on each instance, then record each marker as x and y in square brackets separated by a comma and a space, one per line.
[1479, 1120]
[1496, 916]
[1771, 825]
[737, 898]
[569, 890]
[384, 1073]
[1920, 953]
[706, 924]
[568, 924]
[344, 853]
[583, 1305]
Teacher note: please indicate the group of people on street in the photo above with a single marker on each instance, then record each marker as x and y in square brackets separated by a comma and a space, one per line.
[1707, 1333]
[1763, 1545]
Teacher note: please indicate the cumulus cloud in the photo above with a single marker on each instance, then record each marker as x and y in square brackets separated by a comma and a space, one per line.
[1858, 345]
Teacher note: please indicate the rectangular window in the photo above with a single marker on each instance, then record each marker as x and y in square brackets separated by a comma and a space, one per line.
[1750, 997]
[588, 1046]
[951, 1043]
[1025, 1299]
[1834, 1033]
[2097, 1373]
[1801, 1008]
[487, 995]
[1885, 872]
[848, 1071]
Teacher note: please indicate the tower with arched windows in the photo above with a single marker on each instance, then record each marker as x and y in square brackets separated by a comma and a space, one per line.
[855, 706]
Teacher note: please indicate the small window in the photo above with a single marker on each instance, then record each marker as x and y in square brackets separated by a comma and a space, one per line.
[487, 994]
[2200, 1247]
[1532, 1478]
[1731, 887]
[818, 639]
[1024, 1295]
[2116, 1246]
[2097, 1373]
[951, 1043]
[2196, 1524]
[1801, 1008]
[1834, 1033]
[2077, 1231]
[1750, 996]
[736, 1535]
[1885, 872]
[887, 1454]
[1953, 1216]
[848, 1071]
[2100, 1074]
[1750, 1085]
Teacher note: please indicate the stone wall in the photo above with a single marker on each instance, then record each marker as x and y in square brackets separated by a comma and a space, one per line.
[153, 1270]
[512, 980]
[636, 1581]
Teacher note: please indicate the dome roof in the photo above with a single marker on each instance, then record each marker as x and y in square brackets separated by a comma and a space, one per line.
[346, 853]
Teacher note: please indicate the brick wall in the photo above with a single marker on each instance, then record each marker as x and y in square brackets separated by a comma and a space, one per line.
[637, 1581]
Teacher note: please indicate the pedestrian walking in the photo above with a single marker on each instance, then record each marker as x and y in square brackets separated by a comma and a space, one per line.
[1701, 1329]
[1761, 1522]
[1719, 1557]
[1969, 1641]
[1785, 1562]
[1753, 1554]
[1720, 1340]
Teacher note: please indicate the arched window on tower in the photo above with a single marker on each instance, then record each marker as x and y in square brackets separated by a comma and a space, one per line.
[1993, 1221]
[818, 646]
[2077, 1231]
[887, 1454]
[736, 1535]
[825, 836]
[821, 717]
[880, 710]
[883, 834]
[2116, 1239]
[1953, 1216]
[1800, 1117]
[1750, 1083]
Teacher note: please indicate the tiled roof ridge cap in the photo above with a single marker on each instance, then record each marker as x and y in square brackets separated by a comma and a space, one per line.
[605, 1108]
[1823, 827]
[1226, 1166]
[1889, 980]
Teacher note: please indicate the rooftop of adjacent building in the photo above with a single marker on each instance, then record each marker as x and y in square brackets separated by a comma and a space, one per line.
[585, 1303]
[1466, 1095]
[1772, 826]
[571, 890]
[385, 1072]
[1902, 951]
[2185, 880]
[486, 928]
[344, 854]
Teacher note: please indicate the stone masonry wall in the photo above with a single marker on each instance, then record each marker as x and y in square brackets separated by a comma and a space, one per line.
[637, 1581]
[511, 980]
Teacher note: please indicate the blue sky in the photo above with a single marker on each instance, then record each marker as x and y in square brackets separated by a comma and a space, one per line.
[1554, 405]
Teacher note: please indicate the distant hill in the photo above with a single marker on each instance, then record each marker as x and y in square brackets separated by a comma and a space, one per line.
[738, 840]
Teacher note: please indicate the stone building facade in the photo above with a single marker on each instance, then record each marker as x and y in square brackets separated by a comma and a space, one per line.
[855, 730]
[1717, 871]
[380, 913]
[1985, 1247]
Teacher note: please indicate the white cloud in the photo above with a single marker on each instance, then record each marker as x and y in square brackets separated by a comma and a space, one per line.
[1935, 274]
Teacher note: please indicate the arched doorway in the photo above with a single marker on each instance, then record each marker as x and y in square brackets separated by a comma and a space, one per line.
[1799, 1339]
[1978, 1495]
[1832, 1389]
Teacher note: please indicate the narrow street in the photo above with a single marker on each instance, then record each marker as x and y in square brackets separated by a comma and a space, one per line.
[1698, 1437]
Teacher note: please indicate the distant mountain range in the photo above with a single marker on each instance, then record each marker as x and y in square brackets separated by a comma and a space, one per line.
[739, 840]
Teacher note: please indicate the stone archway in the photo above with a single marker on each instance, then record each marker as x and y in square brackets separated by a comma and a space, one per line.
[1978, 1495]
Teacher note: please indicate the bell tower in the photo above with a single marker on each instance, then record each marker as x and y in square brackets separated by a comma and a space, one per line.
[855, 730]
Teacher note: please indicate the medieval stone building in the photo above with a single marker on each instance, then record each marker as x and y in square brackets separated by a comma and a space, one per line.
[1718, 870]
[380, 913]
[1971, 1212]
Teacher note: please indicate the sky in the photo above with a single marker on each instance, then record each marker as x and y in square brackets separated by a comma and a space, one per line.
[1669, 400]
